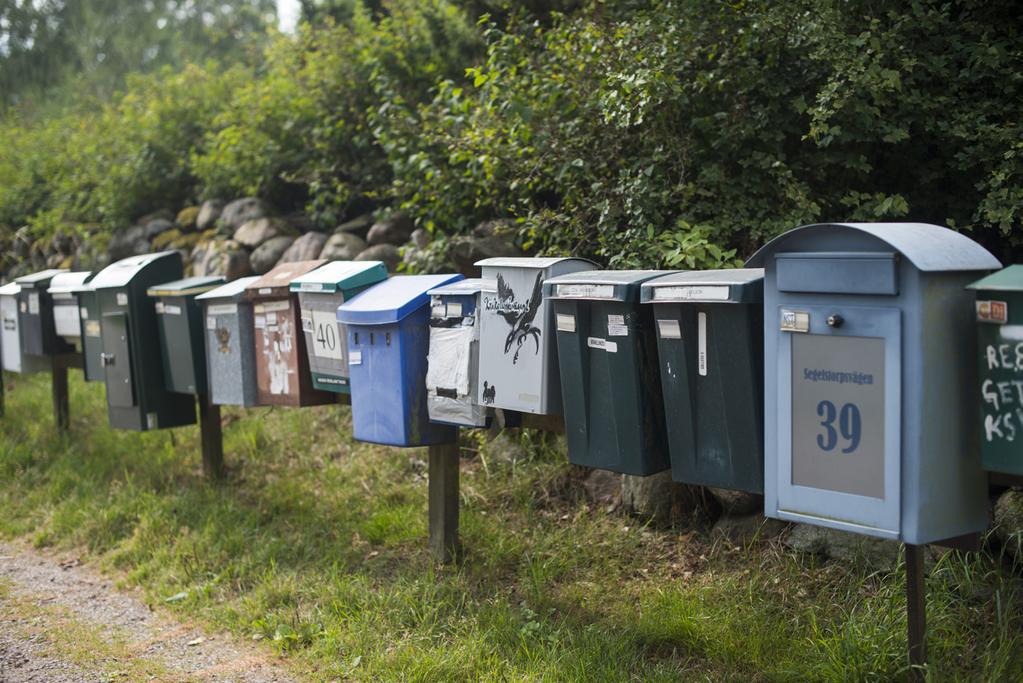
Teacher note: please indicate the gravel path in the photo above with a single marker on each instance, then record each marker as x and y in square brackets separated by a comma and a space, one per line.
[191, 653]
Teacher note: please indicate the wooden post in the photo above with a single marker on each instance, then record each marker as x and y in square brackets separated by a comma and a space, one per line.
[61, 404]
[444, 501]
[916, 611]
[2, 404]
[212, 438]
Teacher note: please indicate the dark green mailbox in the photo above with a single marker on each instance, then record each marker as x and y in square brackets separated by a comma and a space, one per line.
[710, 340]
[1000, 358]
[182, 339]
[35, 309]
[92, 335]
[137, 396]
[611, 388]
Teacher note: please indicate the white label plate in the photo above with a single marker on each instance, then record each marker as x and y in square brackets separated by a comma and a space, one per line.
[566, 322]
[691, 293]
[603, 344]
[669, 329]
[326, 338]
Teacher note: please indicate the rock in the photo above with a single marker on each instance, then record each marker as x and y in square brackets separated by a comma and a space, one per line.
[269, 253]
[128, 242]
[466, 251]
[300, 223]
[357, 226]
[209, 212]
[157, 226]
[1009, 522]
[395, 230]
[305, 248]
[737, 502]
[227, 258]
[164, 214]
[506, 447]
[343, 246]
[659, 499]
[388, 253]
[253, 233]
[186, 219]
[165, 239]
[844, 546]
[603, 488]
[743, 530]
[242, 211]
[420, 238]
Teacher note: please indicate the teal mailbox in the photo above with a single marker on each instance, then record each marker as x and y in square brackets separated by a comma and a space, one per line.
[871, 380]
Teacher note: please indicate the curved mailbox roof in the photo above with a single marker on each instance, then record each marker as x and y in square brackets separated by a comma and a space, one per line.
[121, 273]
[600, 285]
[930, 248]
[528, 261]
[42, 277]
[233, 290]
[340, 275]
[68, 283]
[392, 300]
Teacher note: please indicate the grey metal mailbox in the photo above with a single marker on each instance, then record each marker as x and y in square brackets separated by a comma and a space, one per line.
[230, 344]
[452, 377]
[10, 337]
[518, 350]
[870, 380]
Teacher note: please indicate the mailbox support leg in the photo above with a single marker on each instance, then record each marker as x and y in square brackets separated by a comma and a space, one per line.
[61, 404]
[444, 501]
[212, 438]
[916, 611]
[2, 406]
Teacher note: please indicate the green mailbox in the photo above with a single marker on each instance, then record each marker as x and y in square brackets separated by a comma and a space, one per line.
[92, 335]
[611, 388]
[137, 396]
[182, 339]
[1000, 357]
[710, 340]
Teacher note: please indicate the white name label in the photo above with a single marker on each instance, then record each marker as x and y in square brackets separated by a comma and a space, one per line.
[603, 344]
[222, 309]
[701, 343]
[691, 293]
[669, 329]
[586, 291]
[355, 357]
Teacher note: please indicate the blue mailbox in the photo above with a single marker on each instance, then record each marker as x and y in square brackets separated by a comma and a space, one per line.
[388, 341]
[870, 380]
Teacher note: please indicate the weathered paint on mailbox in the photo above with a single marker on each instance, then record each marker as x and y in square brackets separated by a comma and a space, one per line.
[869, 346]
[610, 385]
[230, 344]
[137, 397]
[282, 364]
[10, 337]
[710, 344]
[320, 292]
[388, 342]
[35, 316]
[999, 320]
[452, 379]
[181, 327]
[518, 355]
[67, 318]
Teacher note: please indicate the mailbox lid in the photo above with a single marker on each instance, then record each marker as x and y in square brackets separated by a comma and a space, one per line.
[393, 299]
[467, 287]
[275, 283]
[122, 272]
[10, 289]
[232, 291]
[340, 276]
[69, 282]
[600, 285]
[190, 286]
[1008, 279]
[535, 262]
[40, 280]
[728, 285]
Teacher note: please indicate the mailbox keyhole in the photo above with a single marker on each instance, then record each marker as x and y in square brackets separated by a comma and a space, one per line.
[372, 338]
[835, 320]
[387, 338]
[355, 337]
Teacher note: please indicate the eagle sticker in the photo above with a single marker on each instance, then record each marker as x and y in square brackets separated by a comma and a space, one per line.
[520, 315]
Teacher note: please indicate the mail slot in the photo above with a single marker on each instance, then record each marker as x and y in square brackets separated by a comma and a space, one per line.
[388, 341]
[282, 363]
[320, 292]
[10, 337]
[230, 344]
[710, 346]
[35, 310]
[999, 321]
[610, 385]
[868, 386]
[137, 395]
[182, 342]
[518, 353]
[452, 380]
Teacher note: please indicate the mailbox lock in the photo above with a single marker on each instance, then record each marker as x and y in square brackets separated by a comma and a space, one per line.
[835, 320]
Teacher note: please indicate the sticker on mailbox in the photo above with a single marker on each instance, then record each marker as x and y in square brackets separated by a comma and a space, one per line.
[669, 329]
[566, 322]
[603, 344]
[122, 299]
[838, 414]
[993, 312]
[326, 339]
[616, 326]
[33, 303]
[355, 358]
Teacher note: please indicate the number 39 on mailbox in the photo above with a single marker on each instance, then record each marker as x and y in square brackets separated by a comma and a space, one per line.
[869, 357]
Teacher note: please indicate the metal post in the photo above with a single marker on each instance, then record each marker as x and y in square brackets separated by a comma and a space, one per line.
[916, 611]
[61, 405]
[444, 501]
[212, 438]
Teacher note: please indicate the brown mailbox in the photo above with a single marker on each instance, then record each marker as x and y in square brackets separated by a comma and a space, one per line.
[282, 366]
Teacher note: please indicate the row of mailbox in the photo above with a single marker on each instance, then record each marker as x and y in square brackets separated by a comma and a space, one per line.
[836, 374]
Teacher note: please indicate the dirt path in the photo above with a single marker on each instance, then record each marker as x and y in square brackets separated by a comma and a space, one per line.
[62, 623]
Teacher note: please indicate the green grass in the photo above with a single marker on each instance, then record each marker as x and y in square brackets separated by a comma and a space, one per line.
[317, 544]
